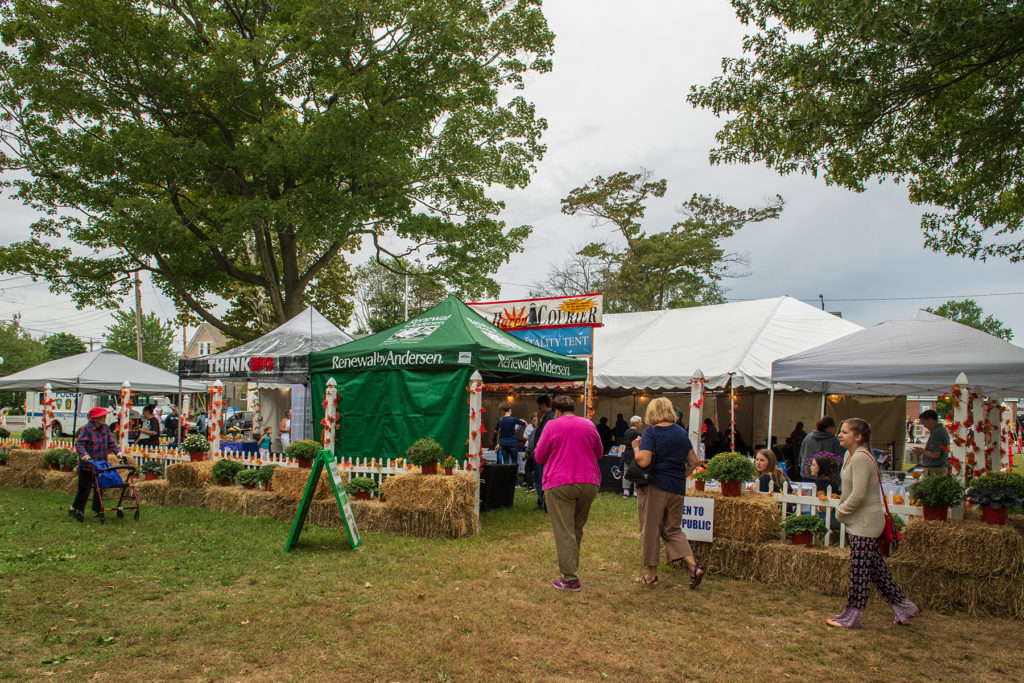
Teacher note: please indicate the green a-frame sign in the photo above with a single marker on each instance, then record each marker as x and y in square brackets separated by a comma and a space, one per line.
[325, 459]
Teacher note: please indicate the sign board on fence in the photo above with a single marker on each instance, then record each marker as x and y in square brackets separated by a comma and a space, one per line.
[699, 519]
[324, 459]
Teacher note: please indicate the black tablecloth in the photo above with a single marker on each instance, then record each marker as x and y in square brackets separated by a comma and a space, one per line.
[608, 481]
[497, 486]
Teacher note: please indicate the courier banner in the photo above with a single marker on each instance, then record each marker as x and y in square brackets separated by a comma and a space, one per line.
[560, 311]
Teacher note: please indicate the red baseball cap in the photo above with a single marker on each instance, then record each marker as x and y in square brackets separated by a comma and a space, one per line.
[98, 412]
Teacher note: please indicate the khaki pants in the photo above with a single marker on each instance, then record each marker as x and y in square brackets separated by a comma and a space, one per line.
[568, 508]
[661, 516]
[936, 471]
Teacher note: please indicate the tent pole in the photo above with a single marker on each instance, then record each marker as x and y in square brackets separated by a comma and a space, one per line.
[822, 402]
[74, 420]
[771, 411]
[732, 415]
[181, 411]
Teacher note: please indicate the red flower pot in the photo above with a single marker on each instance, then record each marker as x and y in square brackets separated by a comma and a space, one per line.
[151, 476]
[53, 467]
[198, 457]
[935, 513]
[66, 468]
[883, 546]
[225, 481]
[731, 489]
[249, 486]
[698, 484]
[362, 495]
[801, 538]
[37, 446]
[268, 487]
[991, 515]
[429, 468]
[3, 463]
[305, 463]
[448, 470]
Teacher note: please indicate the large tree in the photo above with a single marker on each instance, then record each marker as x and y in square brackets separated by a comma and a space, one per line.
[157, 339]
[63, 344]
[238, 149]
[385, 288]
[969, 312]
[19, 352]
[930, 92]
[681, 266]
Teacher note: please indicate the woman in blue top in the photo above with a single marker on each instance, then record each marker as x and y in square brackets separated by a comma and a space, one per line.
[660, 504]
[508, 442]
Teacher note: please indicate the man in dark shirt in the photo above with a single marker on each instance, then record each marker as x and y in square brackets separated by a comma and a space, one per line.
[94, 442]
[935, 454]
[605, 432]
[544, 415]
[149, 429]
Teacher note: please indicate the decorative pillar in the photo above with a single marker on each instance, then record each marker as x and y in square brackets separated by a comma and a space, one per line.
[47, 407]
[330, 419]
[252, 404]
[124, 414]
[474, 453]
[960, 397]
[732, 416]
[1006, 440]
[216, 416]
[186, 413]
[976, 441]
[696, 409]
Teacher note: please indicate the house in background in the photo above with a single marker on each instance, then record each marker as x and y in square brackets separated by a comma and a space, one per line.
[206, 340]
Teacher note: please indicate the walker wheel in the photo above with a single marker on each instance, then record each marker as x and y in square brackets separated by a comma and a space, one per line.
[103, 518]
[120, 514]
[136, 515]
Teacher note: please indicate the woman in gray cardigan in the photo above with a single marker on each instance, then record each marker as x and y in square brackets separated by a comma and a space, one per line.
[860, 509]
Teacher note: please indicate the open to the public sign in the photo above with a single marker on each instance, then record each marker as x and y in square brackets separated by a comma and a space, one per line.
[325, 459]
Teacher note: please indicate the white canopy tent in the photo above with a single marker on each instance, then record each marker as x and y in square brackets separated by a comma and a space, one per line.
[919, 354]
[98, 372]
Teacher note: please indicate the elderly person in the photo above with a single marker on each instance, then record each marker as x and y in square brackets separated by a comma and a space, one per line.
[860, 509]
[627, 455]
[94, 442]
[660, 503]
[568, 450]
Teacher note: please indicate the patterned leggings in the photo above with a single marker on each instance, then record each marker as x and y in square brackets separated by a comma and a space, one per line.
[867, 567]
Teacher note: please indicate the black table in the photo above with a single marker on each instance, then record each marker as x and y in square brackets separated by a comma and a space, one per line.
[497, 486]
[609, 482]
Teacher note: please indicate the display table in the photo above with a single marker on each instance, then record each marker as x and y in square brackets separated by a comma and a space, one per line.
[497, 486]
[609, 481]
[240, 447]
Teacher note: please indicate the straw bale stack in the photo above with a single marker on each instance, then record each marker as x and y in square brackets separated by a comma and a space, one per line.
[66, 482]
[945, 591]
[826, 569]
[325, 513]
[152, 492]
[35, 479]
[754, 518]
[26, 459]
[267, 504]
[190, 475]
[290, 484]
[735, 559]
[972, 548]
[193, 498]
[430, 506]
[231, 499]
[10, 476]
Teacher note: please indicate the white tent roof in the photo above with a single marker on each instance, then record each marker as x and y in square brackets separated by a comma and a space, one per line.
[661, 349]
[95, 372]
[919, 354]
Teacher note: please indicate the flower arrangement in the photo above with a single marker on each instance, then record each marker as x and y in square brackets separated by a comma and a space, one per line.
[726, 467]
[247, 478]
[450, 461]
[225, 470]
[152, 467]
[68, 459]
[307, 450]
[32, 435]
[938, 492]
[265, 474]
[424, 452]
[837, 461]
[194, 443]
[797, 523]
[4, 455]
[701, 473]
[362, 485]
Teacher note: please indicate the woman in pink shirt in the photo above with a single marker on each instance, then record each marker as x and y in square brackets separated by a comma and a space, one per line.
[569, 449]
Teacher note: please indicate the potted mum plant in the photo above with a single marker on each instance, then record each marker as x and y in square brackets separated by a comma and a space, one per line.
[362, 488]
[68, 460]
[996, 493]
[937, 495]
[52, 458]
[247, 478]
[4, 433]
[152, 469]
[425, 453]
[224, 471]
[449, 464]
[197, 446]
[731, 470]
[266, 473]
[33, 436]
[700, 478]
[802, 529]
[304, 451]
[4, 456]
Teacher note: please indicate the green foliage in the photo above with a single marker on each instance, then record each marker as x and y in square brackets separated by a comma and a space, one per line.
[900, 523]
[247, 477]
[303, 449]
[380, 293]
[194, 443]
[1000, 480]
[682, 266]
[993, 498]
[237, 151]
[225, 469]
[62, 345]
[68, 458]
[424, 451]
[450, 461]
[4, 433]
[968, 312]
[938, 491]
[152, 466]
[731, 467]
[361, 484]
[266, 473]
[702, 475]
[796, 523]
[924, 92]
[53, 457]
[157, 339]
[5, 455]
[32, 435]
[20, 352]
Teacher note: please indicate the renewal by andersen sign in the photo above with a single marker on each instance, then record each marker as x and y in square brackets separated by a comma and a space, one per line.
[561, 311]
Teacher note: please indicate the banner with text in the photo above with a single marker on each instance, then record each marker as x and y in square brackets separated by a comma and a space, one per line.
[560, 311]
[568, 341]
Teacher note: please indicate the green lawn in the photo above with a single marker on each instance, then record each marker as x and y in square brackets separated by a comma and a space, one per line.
[196, 594]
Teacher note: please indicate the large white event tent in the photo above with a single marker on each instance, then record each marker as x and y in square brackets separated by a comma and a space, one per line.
[98, 372]
[919, 354]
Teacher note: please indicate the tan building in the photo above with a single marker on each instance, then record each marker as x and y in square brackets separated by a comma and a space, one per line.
[206, 340]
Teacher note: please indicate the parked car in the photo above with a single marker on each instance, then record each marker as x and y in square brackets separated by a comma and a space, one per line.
[239, 418]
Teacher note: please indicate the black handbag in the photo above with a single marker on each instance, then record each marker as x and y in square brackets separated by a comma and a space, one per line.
[641, 476]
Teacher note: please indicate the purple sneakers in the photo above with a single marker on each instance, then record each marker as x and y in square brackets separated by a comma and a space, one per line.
[562, 584]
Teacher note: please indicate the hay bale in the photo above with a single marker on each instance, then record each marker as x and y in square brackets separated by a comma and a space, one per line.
[966, 547]
[226, 499]
[947, 592]
[192, 498]
[290, 484]
[11, 477]
[35, 479]
[735, 559]
[325, 513]
[152, 492]
[190, 475]
[429, 506]
[826, 569]
[749, 517]
[66, 482]
[25, 459]
[267, 504]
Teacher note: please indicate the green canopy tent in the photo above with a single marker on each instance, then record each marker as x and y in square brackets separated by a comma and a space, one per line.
[412, 380]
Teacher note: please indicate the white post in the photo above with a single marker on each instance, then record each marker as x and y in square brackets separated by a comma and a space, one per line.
[216, 417]
[47, 406]
[474, 454]
[993, 436]
[976, 445]
[330, 414]
[696, 408]
[771, 414]
[252, 404]
[1006, 431]
[124, 409]
[958, 439]
[186, 411]
[732, 415]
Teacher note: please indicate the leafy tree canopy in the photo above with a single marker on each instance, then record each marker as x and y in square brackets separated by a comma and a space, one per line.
[922, 91]
[380, 296]
[682, 266]
[20, 352]
[157, 339]
[63, 344]
[968, 312]
[238, 150]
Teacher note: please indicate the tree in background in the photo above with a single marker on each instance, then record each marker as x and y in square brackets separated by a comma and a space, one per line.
[380, 293]
[968, 312]
[62, 345]
[683, 266]
[922, 91]
[20, 352]
[237, 150]
[157, 339]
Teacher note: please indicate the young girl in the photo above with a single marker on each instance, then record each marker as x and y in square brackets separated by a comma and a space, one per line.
[768, 471]
[823, 470]
[264, 444]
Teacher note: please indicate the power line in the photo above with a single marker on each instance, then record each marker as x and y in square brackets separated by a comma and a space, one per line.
[900, 298]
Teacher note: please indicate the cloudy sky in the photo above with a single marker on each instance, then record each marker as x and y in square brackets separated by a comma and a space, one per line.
[616, 100]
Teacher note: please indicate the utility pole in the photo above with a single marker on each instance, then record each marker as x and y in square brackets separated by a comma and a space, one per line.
[407, 296]
[138, 318]
[822, 298]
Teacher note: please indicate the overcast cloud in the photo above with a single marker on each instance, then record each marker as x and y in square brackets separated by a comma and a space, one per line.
[616, 101]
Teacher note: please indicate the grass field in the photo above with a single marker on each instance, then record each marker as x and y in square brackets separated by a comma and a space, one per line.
[190, 594]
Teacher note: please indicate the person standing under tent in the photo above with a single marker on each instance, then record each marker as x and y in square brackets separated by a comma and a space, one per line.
[823, 438]
[544, 415]
[508, 442]
[531, 443]
[606, 435]
[935, 454]
[284, 429]
[171, 424]
[627, 454]
[95, 441]
[149, 429]
[620, 428]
